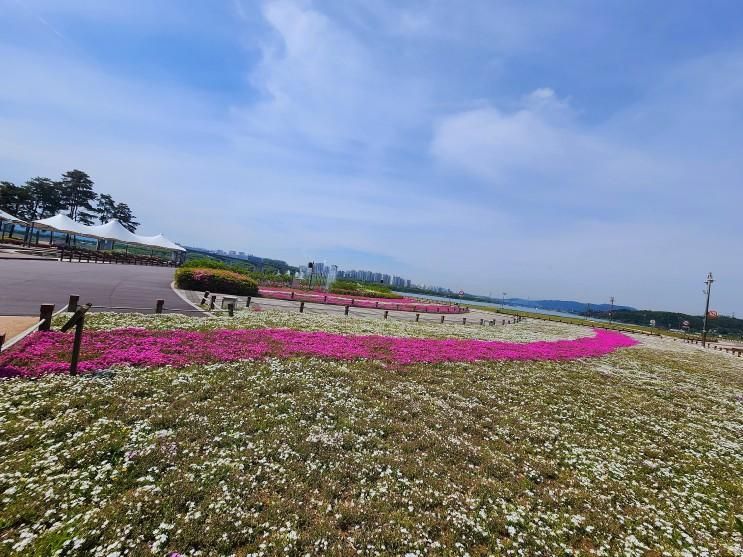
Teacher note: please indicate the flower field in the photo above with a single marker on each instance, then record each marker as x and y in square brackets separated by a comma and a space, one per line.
[636, 452]
[48, 352]
[397, 304]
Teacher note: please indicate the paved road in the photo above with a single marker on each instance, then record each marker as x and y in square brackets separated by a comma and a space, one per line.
[24, 285]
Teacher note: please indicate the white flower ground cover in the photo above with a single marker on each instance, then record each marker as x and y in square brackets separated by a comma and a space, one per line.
[637, 453]
[526, 331]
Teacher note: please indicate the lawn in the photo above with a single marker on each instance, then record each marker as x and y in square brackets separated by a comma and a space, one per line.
[634, 453]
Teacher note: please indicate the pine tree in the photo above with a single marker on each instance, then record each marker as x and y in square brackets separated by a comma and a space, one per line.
[105, 207]
[123, 214]
[78, 195]
[46, 197]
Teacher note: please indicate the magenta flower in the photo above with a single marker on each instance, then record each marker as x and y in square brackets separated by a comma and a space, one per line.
[49, 352]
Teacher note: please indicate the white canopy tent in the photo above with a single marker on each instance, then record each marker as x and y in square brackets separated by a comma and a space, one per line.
[112, 230]
[7, 217]
[61, 223]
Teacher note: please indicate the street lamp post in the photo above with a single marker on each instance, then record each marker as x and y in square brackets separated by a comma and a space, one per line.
[708, 282]
[611, 311]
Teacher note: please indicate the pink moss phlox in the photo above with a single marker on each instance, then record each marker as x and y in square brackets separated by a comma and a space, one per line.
[48, 352]
[401, 304]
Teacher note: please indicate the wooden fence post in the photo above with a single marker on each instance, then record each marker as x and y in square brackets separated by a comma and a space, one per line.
[247, 303]
[464, 320]
[76, 343]
[346, 310]
[204, 298]
[159, 306]
[231, 309]
[417, 317]
[45, 313]
[442, 319]
[2, 340]
[213, 301]
[72, 304]
[301, 307]
[482, 321]
[386, 312]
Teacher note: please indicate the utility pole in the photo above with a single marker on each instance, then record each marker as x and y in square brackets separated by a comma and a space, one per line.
[708, 282]
[503, 301]
[611, 311]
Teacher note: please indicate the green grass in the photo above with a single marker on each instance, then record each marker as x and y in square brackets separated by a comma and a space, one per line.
[638, 453]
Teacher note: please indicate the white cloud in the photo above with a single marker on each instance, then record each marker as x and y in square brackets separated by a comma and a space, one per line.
[324, 89]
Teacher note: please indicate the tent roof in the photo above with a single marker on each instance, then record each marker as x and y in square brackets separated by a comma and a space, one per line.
[62, 223]
[9, 217]
[161, 241]
[112, 230]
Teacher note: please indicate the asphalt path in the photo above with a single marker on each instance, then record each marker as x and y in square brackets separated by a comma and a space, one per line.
[25, 285]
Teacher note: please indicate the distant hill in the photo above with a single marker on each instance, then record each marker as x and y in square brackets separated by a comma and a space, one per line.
[723, 325]
[566, 306]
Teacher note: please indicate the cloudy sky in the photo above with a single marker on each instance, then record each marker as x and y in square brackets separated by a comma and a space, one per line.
[575, 150]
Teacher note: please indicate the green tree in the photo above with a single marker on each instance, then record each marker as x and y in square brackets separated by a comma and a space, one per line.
[78, 195]
[45, 197]
[124, 215]
[105, 207]
[15, 200]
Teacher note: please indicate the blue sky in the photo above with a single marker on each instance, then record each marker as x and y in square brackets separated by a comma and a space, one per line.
[575, 150]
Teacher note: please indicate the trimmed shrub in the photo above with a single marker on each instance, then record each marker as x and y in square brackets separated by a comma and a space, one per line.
[215, 280]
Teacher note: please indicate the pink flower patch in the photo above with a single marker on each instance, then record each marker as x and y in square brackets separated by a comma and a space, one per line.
[49, 352]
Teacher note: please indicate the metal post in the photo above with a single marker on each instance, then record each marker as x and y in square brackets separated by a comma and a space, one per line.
[159, 306]
[72, 304]
[611, 311]
[45, 313]
[708, 282]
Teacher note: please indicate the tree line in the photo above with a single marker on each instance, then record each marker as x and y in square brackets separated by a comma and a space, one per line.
[41, 197]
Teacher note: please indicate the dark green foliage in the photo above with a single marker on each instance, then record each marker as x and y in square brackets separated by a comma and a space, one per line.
[14, 200]
[723, 325]
[124, 215]
[41, 197]
[215, 280]
[105, 207]
[78, 196]
[260, 277]
[351, 288]
[45, 198]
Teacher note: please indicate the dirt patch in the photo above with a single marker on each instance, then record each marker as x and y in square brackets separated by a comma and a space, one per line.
[13, 325]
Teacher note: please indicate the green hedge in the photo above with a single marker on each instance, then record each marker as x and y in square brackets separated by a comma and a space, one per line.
[215, 280]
